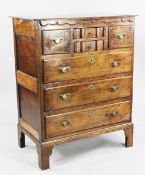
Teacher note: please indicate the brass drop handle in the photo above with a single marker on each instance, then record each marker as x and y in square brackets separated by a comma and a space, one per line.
[121, 36]
[90, 113]
[116, 63]
[57, 40]
[114, 88]
[91, 60]
[65, 96]
[113, 113]
[65, 123]
[64, 69]
[91, 86]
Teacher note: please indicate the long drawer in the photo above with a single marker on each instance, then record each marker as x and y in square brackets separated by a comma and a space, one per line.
[70, 122]
[59, 68]
[84, 93]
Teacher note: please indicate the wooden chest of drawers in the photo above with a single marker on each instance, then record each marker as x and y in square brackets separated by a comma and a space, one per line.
[74, 79]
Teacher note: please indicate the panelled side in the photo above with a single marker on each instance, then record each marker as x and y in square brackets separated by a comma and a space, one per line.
[27, 73]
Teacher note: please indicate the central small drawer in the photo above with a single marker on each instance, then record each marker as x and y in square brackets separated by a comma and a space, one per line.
[71, 122]
[59, 68]
[85, 93]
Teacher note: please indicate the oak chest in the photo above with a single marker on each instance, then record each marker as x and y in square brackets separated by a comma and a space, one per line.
[74, 79]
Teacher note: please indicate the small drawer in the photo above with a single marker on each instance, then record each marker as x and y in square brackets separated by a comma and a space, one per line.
[89, 33]
[56, 41]
[67, 68]
[85, 93]
[88, 46]
[120, 36]
[71, 122]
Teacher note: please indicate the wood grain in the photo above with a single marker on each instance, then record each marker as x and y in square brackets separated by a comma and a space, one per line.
[25, 27]
[84, 94]
[27, 81]
[128, 136]
[26, 54]
[86, 134]
[89, 33]
[101, 65]
[126, 34]
[49, 41]
[73, 56]
[30, 108]
[29, 128]
[87, 118]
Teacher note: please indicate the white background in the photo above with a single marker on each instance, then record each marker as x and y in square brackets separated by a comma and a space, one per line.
[100, 155]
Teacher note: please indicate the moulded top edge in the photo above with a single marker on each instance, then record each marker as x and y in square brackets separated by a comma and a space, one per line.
[72, 17]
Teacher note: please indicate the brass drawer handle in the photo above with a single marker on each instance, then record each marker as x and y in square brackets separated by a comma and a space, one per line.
[114, 88]
[116, 63]
[64, 69]
[90, 113]
[91, 60]
[113, 114]
[121, 36]
[65, 96]
[57, 40]
[65, 123]
[91, 86]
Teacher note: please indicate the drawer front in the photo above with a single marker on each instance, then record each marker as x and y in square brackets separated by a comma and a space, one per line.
[56, 41]
[70, 122]
[89, 33]
[85, 93]
[88, 46]
[68, 68]
[120, 36]
[90, 39]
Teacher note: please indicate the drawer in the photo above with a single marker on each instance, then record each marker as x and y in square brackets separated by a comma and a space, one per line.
[85, 93]
[70, 122]
[120, 36]
[89, 33]
[88, 46]
[67, 68]
[56, 41]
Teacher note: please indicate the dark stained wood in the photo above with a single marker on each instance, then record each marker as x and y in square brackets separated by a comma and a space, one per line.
[43, 156]
[26, 54]
[74, 79]
[27, 72]
[21, 138]
[30, 110]
[84, 119]
[129, 136]
[79, 94]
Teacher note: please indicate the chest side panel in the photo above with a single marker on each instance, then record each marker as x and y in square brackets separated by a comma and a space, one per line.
[27, 72]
